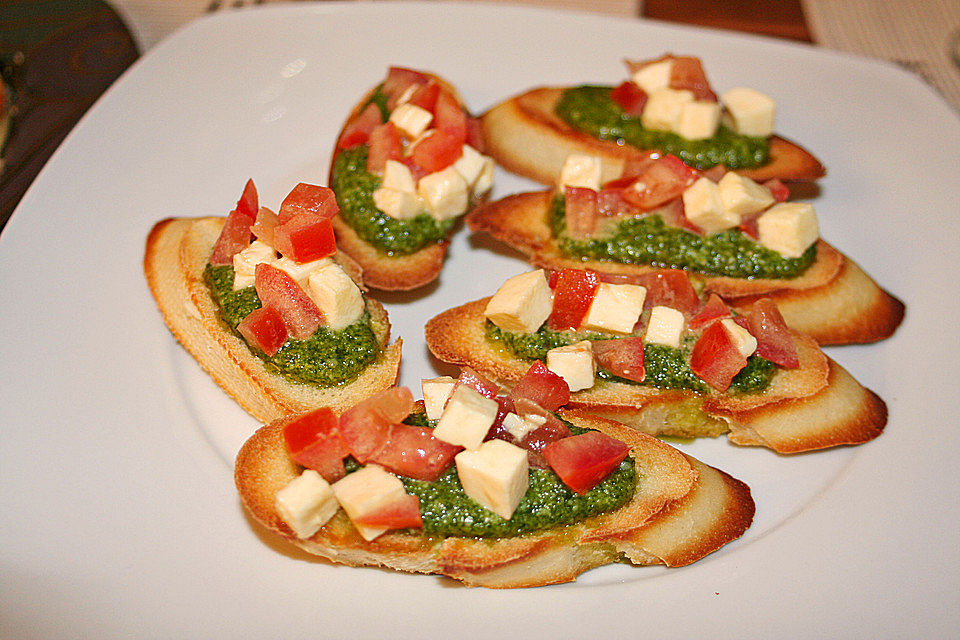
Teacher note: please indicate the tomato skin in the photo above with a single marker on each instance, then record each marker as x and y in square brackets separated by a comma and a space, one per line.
[278, 290]
[366, 426]
[713, 309]
[357, 131]
[264, 329]
[308, 199]
[774, 340]
[437, 151]
[715, 358]
[313, 440]
[622, 357]
[630, 97]
[535, 441]
[583, 461]
[384, 145]
[398, 80]
[580, 211]
[414, 452]
[573, 293]
[542, 386]
[403, 513]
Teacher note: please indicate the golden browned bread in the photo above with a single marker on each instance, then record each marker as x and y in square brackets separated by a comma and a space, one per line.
[833, 301]
[814, 406]
[525, 136]
[177, 253]
[682, 510]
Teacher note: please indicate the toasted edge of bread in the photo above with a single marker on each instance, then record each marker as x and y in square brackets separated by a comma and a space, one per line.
[814, 406]
[682, 510]
[834, 301]
[177, 252]
[525, 136]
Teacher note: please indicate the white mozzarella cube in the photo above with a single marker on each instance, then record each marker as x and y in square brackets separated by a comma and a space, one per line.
[742, 196]
[520, 426]
[581, 170]
[746, 344]
[397, 175]
[435, 394]
[475, 167]
[751, 113]
[245, 263]
[703, 206]
[495, 476]
[698, 120]
[654, 76]
[789, 228]
[665, 326]
[366, 491]
[300, 271]
[400, 205]
[522, 303]
[615, 307]
[574, 363]
[445, 193]
[664, 108]
[337, 296]
[484, 181]
[467, 418]
[306, 503]
[411, 120]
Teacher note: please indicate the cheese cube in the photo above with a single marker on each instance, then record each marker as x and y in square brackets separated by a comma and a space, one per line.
[654, 76]
[411, 120]
[520, 426]
[397, 175]
[751, 112]
[615, 307]
[664, 108]
[306, 503]
[245, 263]
[574, 363]
[365, 491]
[445, 193]
[580, 170]
[746, 344]
[435, 394]
[665, 326]
[301, 271]
[337, 296]
[742, 196]
[495, 476]
[522, 303]
[698, 119]
[467, 418]
[789, 228]
[401, 205]
[475, 168]
[703, 206]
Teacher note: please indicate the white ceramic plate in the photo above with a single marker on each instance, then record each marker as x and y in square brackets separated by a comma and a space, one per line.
[119, 516]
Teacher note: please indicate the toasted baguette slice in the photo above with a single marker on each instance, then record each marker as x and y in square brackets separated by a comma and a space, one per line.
[177, 253]
[525, 136]
[814, 406]
[833, 301]
[682, 511]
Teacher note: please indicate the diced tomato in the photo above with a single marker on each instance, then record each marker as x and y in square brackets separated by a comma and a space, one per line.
[497, 431]
[637, 164]
[749, 228]
[610, 202]
[475, 134]
[713, 309]
[779, 190]
[248, 204]
[535, 441]
[774, 340]
[403, 513]
[622, 357]
[398, 80]
[660, 182]
[264, 226]
[305, 238]
[234, 238]
[714, 173]
[314, 442]
[630, 97]
[425, 96]
[278, 290]
[478, 383]
[715, 357]
[357, 131]
[415, 169]
[687, 73]
[366, 426]
[583, 461]
[670, 288]
[384, 145]
[311, 199]
[542, 386]
[437, 151]
[414, 452]
[450, 117]
[264, 329]
[572, 296]
[580, 211]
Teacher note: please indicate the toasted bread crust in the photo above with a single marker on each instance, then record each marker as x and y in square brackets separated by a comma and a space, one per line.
[525, 136]
[814, 406]
[833, 301]
[682, 511]
[177, 251]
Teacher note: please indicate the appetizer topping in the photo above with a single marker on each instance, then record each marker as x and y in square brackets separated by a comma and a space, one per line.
[435, 394]
[582, 461]
[749, 112]
[788, 228]
[495, 475]
[574, 363]
[307, 503]
[467, 418]
[522, 303]
[366, 494]
[665, 326]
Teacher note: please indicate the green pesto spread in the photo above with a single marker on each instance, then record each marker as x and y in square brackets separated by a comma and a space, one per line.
[326, 359]
[648, 240]
[590, 109]
[354, 187]
[666, 367]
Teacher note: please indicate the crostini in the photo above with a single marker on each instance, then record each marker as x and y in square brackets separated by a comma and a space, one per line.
[268, 308]
[492, 490]
[666, 107]
[738, 238]
[659, 358]
[407, 165]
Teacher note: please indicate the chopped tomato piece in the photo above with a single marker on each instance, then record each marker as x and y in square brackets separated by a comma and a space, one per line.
[779, 190]
[398, 80]
[264, 329]
[314, 442]
[308, 198]
[234, 238]
[572, 296]
[715, 357]
[687, 73]
[415, 452]
[425, 96]
[580, 211]
[542, 386]
[480, 384]
[749, 228]
[535, 441]
[357, 131]
[583, 461]
[660, 182]
[384, 145]
[437, 151]
[713, 309]
[774, 340]
[277, 289]
[403, 513]
[622, 357]
[264, 226]
[610, 202]
[497, 430]
[714, 173]
[630, 97]
[305, 238]
[671, 288]
[475, 134]
[248, 204]
[449, 116]
[366, 427]
[415, 169]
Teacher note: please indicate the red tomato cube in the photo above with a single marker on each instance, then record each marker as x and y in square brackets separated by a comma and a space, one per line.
[687, 73]
[357, 131]
[425, 96]
[580, 211]
[775, 342]
[277, 289]
[366, 427]
[415, 452]
[314, 442]
[478, 383]
[311, 199]
[583, 461]
[264, 329]
[630, 97]
[450, 117]
[384, 145]
[715, 357]
[542, 386]
[437, 151]
[234, 238]
[622, 357]
[305, 238]
[572, 296]
[662, 181]
[670, 288]
[402, 513]
[713, 309]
